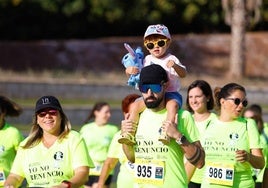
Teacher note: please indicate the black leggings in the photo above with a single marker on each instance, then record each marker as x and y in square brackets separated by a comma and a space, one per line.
[95, 179]
[194, 185]
[258, 185]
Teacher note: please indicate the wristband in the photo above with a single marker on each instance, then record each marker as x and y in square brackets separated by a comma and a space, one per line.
[67, 183]
[181, 140]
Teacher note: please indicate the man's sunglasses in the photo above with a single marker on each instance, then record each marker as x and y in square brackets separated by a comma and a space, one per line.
[50, 112]
[237, 101]
[156, 88]
[150, 45]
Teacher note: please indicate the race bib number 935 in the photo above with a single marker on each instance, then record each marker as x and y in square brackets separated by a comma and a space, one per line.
[149, 172]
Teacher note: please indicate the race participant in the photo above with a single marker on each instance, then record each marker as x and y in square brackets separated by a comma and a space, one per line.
[10, 136]
[200, 103]
[231, 142]
[157, 40]
[98, 135]
[157, 164]
[116, 154]
[52, 155]
[254, 111]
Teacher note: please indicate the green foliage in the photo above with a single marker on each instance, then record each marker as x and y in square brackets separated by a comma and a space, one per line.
[264, 10]
[190, 12]
[62, 19]
[50, 6]
[67, 7]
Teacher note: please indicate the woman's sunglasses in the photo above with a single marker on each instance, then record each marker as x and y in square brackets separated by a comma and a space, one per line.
[237, 101]
[156, 88]
[50, 112]
[150, 45]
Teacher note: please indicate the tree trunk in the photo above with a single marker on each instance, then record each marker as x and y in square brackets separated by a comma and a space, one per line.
[237, 53]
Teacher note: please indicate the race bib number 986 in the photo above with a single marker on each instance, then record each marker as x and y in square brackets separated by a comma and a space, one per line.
[149, 172]
[218, 173]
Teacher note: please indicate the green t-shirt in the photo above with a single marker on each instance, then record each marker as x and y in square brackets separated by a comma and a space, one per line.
[158, 165]
[125, 174]
[264, 143]
[98, 140]
[221, 140]
[10, 137]
[47, 167]
[199, 173]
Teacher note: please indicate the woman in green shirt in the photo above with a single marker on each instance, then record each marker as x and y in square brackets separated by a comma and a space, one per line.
[8, 147]
[231, 142]
[200, 103]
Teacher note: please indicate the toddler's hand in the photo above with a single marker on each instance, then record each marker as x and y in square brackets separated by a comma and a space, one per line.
[170, 63]
[132, 70]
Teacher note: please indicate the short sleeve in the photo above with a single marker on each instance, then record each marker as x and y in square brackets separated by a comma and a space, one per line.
[253, 134]
[187, 126]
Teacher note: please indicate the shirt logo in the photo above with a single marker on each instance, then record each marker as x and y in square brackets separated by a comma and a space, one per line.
[234, 136]
[58, 156]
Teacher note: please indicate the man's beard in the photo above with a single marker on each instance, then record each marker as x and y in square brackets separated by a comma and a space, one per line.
[153, 104]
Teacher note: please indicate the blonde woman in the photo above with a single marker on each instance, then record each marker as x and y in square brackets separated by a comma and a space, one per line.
[52, 155]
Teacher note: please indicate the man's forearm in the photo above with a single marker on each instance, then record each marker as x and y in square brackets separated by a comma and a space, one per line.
[194, 153]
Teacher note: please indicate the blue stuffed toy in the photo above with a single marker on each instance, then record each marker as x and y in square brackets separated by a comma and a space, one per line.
[133, 59]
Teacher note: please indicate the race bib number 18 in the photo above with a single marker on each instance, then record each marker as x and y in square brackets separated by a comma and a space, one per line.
[149, 172]
[218, 173]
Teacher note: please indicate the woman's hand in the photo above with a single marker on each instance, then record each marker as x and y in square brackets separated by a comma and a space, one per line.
[242, 156]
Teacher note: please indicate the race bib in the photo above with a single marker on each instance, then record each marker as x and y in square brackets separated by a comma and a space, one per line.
[219, 173]
[2, 177]
[149, 172]
[96, 171]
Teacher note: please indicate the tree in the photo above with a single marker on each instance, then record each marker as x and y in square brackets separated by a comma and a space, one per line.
[240, 14]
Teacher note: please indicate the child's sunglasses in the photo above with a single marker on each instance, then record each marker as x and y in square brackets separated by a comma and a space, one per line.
[156, 88]
[237, 101]
[150, 45]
